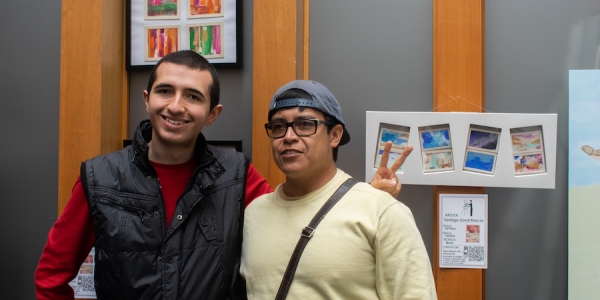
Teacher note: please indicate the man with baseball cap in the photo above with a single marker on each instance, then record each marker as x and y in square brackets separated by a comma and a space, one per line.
[366, 246]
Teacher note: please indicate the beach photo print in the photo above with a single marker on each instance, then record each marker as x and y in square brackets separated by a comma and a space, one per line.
[438, 160]
[396, 134]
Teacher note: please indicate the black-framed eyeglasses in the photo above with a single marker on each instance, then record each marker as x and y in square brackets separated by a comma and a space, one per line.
[305, 127]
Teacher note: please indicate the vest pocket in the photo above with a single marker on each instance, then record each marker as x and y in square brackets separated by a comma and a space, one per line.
[136, 211]
[208, 222]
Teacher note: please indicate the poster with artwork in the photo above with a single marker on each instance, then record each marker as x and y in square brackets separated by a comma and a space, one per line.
[83, 283]
[463, 231]
[155, 28]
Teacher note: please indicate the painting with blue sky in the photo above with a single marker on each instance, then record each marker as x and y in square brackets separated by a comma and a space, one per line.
[396, 134]
[434, 139]
[584, 184]
[584, 130]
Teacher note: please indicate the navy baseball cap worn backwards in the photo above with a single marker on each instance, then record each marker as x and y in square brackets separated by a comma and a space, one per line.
[322, 99]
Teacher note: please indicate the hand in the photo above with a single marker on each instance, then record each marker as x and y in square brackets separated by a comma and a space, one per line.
[385, 178]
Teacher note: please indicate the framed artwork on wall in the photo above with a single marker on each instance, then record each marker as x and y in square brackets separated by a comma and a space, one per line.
[155, 28]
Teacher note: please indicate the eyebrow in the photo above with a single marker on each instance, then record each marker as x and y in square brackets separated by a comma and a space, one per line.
[192, 90]
[162, 85]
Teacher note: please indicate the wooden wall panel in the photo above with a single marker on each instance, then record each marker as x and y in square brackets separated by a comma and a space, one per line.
[279, 56]
[92, 85]
[458, 85]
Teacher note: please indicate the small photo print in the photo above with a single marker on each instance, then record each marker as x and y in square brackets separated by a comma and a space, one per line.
[435, 139]
[441, 160]
[86, 269]
[396, 134]
[161, 9]
[206, 39]
[472, 234]
[160, 41]
[482, 162]
[483, 139]
[89, 259]
[529, 163]
[205, 9]
[527, 141]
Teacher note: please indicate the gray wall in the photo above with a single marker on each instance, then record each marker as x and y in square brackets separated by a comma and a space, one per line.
[375, 57]
[378, 57]
[29, 62]
[235, 122]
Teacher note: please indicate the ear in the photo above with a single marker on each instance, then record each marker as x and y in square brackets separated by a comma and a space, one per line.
[335, 135]
[214, 113]
[147, 101]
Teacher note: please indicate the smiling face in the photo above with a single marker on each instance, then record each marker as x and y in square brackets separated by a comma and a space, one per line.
[308, 158]
[179, 107]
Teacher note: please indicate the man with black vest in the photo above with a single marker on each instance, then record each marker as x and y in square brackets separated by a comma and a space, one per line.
[165, 214]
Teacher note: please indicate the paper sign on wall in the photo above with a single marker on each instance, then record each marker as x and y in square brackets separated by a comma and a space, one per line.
[463, 231]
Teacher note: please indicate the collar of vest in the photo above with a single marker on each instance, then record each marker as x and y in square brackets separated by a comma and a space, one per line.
[143, 135]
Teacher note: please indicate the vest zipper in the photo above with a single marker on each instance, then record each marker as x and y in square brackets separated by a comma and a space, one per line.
[133, 210]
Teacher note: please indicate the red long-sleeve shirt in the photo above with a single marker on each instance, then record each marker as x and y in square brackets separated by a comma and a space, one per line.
[72, 236]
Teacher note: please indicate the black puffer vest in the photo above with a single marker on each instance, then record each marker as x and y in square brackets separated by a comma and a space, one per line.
[137, 256]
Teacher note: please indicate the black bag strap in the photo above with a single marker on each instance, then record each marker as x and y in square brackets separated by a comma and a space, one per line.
[307, 233]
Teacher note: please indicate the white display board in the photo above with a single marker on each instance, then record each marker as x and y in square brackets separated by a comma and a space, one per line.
[459, 127]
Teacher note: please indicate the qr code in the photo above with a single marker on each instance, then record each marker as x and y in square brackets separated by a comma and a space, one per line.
[474, 253]
[86, 283]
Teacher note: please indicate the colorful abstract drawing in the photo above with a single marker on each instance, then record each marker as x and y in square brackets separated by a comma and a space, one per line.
[472, 234]
[485, 140]
[480, 162]
[160, 42]
[205, 9]
[438, 161]
[434, 139]
[527, 141]
[162, 9]
[529, 163]
[207, 39]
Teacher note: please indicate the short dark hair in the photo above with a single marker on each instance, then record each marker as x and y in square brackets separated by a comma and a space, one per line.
[301, 94]
[193, 61]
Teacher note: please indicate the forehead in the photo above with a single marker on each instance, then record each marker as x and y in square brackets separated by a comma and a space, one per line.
[183, 76]
[296, 112]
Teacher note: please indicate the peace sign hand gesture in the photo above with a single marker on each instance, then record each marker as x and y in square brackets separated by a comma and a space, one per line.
[385, 178]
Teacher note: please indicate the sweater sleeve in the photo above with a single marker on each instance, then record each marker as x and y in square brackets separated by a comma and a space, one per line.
[69, 243]
[402, 266]
[256, 185]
